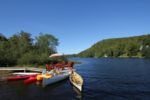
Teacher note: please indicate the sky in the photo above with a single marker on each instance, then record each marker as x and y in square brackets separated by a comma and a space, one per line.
[78, 24]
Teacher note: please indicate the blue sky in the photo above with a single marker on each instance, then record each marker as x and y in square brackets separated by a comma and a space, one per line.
[77, 24]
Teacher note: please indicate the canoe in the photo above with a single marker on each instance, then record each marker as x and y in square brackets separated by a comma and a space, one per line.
[14, 78]
[25, 73]
[56, 78]
[76, 80]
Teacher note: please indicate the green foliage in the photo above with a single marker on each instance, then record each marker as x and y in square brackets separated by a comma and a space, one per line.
[28, 58]
[46, 43]
[138, 46]
[4, 51]
[21, 49]
[146, 48]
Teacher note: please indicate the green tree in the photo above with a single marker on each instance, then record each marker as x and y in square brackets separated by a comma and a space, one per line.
[14, 48]
[146, 48]
[20, 49]
[46, 43]
[20, 44]
[4, 61]
[25, 42]
[119, 47]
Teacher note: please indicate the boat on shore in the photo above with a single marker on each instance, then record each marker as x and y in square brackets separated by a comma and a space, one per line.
[57, 76]
[25, 73]
[14, 78]
[76, 80]
[19, 77]
[30, 80]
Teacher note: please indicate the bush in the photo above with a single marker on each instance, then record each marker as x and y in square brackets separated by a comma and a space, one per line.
[28, 58]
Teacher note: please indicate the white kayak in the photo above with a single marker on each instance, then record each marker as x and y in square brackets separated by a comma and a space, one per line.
[25, 73]
[56, 78]
[76, 80]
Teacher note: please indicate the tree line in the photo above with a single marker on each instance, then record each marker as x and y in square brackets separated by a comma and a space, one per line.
[22, 49]
[137, 46]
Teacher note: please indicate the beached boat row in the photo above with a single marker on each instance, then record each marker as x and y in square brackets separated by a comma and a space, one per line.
[49, 77]
[54, 72]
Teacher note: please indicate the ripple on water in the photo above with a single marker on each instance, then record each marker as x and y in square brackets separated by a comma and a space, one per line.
[104, 79]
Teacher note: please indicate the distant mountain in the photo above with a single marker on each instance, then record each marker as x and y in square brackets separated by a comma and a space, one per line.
[137, 46]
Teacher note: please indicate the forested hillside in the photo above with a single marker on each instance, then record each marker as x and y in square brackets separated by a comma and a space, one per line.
[138, 46]
[22, 49]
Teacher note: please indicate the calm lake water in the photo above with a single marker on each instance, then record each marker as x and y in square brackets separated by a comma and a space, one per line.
[104, 79]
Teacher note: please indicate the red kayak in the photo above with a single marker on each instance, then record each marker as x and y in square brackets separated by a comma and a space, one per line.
[30, 80]
[14, 78]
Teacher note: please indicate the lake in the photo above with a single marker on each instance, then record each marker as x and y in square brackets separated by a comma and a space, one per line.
[104, 79]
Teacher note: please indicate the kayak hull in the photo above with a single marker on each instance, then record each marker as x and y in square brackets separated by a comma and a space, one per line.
[30, 80]
[14, 78]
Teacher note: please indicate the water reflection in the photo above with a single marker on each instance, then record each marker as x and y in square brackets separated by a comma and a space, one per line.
[78, 93]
